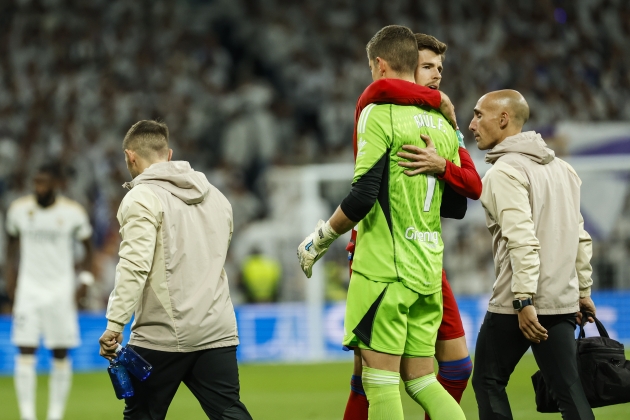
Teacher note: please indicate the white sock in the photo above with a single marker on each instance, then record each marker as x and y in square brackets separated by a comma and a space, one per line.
[59, 387]
[25, 379]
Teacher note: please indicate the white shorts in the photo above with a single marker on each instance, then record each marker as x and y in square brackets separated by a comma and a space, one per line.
[55, 320]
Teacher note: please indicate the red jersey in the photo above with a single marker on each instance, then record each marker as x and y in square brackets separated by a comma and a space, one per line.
[464, 180]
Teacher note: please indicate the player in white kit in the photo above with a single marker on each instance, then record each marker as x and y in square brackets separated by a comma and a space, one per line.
[42, 228]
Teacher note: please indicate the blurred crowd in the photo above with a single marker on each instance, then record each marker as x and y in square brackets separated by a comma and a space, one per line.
[249, 85]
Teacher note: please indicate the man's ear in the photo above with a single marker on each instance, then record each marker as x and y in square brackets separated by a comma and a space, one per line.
[130, 155]
[170, 154]
[382, 65]
[504, 120]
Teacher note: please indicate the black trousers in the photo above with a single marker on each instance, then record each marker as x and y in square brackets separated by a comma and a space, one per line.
[500, 346]
[211, 375]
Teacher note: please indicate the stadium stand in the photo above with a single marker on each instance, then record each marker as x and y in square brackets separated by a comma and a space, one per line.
[246, 85]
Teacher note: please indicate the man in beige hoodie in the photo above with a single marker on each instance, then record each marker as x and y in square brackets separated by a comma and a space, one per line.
[176, 229]
[542, 260]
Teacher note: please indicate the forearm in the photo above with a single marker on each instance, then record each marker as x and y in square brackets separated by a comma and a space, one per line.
[340, 223]
[464, 180]
[132, 271]
[523, 246]
[88, 260]
[130, 281]
[526, 272]
[140, 219]
[401, 93]
[11, 270]
[583, 261]
[11, 274]
[506, 197]
[11, 280]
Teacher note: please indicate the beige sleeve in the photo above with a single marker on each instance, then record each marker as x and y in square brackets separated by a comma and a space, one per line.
[585, 250]
[583, 261]
[231, 225]
[506, 198]
[140, 215]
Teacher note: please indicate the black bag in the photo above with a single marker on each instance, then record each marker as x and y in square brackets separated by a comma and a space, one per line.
[603, 368]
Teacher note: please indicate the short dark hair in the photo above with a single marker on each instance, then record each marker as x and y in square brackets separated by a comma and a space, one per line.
[147, 138]
[397, 45]
[53, 169]
[429, 42]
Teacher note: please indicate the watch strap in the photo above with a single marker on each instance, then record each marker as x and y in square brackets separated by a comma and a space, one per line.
[519, 304]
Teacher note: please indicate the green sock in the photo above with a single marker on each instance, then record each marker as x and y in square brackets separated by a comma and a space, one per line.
[434, 399]
[381, 389]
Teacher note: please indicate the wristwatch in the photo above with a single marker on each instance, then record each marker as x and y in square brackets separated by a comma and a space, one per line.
[519, 304]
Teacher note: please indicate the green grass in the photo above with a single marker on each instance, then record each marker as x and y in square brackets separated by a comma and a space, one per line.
[276, 392]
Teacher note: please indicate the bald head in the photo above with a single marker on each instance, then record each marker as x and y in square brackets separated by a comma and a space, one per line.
[510, 101]
[498, 115]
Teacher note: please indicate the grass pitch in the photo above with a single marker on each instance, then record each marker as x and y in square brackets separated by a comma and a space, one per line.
[277, 392]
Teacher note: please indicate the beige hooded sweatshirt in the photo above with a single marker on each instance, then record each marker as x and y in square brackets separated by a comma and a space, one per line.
[176, 229]
[540, 247]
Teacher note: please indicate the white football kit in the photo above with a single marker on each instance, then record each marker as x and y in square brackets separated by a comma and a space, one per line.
[45, 296]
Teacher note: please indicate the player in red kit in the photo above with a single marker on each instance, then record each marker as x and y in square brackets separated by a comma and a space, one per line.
[451, 351]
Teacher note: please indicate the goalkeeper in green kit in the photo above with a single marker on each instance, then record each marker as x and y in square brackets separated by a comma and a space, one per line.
[394, 305]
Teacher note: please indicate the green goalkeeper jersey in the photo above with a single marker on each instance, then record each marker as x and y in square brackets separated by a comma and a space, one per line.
[400, 239]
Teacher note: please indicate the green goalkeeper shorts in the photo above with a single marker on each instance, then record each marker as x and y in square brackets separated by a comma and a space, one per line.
[390, 318]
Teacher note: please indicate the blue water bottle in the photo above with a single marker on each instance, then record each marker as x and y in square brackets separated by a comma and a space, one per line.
[120, 379]
[133, 362]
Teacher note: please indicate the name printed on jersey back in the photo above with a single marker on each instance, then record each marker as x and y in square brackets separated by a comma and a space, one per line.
[427, 120]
